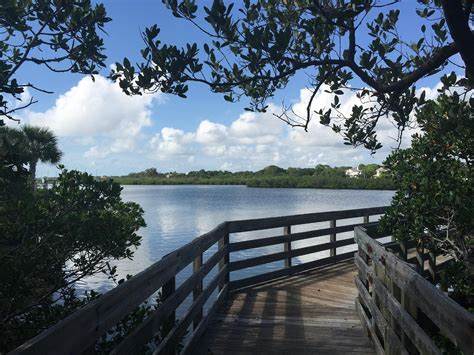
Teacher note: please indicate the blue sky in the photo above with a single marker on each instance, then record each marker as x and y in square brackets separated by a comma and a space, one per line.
[104, 132]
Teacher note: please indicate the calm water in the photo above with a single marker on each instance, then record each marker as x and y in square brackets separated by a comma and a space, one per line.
[176, 214]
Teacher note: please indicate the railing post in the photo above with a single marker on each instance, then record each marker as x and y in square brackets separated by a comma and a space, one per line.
[366, 219]
[432, 264]
[197, 264]
[287, 245]
[365, 258]
[420, 257]
[332, 239]
[403, 250]
[411, 308]
[224, 243]
[166, 292]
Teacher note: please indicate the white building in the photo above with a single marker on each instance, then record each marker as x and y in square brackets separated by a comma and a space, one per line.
[353, 172]
[380, 171]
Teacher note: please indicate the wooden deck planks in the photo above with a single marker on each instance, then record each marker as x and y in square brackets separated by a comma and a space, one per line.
[309, 313]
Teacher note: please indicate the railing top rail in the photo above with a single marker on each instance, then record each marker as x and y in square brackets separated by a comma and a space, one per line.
[247, 225]
[453, 320]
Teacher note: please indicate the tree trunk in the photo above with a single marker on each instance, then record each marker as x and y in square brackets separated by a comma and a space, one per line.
[457, 18]
[33, 174]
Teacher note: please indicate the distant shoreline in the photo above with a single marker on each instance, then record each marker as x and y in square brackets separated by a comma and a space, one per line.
[264, 187]
[363, 177]
[334, 183]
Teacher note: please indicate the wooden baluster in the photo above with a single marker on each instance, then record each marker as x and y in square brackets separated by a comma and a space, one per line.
[167, 291]
[432, 264]
[287, 245]
[366, 219]
[411, 308]
[379, 273]
[332, 239]
[392, 329]
[420, 257]
[197, 264]
[403, 250]
[223, 243]
[365, 258]
[397, 294]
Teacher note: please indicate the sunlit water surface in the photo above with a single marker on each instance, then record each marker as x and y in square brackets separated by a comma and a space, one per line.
[176, 214]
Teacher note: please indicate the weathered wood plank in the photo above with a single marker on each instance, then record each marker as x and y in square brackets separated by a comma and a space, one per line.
[221, 297]
[420, 257]
[224, 262]
[392, 344]
[364, 319]
[309, 313]
[276, 222]
[197, 265]
[403, 248]
[290, 271]
[287, 245]
[362, 267]
[284, 255]
[169, 343]
[167, 292]
[332, 239]
[263, 242]
[450, 317]
[432, 265]
[417, 336]
[151, 325]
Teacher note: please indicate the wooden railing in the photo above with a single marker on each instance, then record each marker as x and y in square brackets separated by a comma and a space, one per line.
[402, 311]
[79, 332]
[287, 237]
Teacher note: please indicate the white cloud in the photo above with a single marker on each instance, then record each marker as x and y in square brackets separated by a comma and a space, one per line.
[317, 135]
[257, 128]
[98, 111]
[171, 143]
[210, 132]
[321, 136]
[254, 140]
[98, 122]
[96, 153]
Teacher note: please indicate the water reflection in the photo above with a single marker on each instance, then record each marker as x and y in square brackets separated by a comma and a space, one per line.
[177, 214]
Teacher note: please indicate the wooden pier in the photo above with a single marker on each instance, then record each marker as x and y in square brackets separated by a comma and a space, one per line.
[342, 302]
[309, 313]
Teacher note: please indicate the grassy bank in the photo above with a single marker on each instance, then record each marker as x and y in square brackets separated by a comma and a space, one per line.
[278, 181]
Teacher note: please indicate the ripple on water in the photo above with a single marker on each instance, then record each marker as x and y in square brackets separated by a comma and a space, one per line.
[175, 215]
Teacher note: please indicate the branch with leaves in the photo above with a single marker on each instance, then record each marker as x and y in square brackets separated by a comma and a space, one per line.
[254, 50]
[61, 36]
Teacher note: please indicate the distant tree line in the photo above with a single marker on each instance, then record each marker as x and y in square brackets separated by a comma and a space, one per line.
[321, 176]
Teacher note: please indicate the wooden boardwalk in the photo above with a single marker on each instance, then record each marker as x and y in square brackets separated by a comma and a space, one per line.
[309, 313]
[307, 308]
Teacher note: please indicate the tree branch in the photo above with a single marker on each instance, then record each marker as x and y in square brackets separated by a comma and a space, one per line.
[33, 40]
[461, 33]
[431, 63]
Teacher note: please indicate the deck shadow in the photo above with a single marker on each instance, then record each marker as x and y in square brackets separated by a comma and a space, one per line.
[311, 312]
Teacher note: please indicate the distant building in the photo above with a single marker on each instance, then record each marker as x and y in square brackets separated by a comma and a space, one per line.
[379, 172]
[353, 172]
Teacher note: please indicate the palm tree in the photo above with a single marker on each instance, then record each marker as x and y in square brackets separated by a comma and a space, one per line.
[42, 145]
[12, 147]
